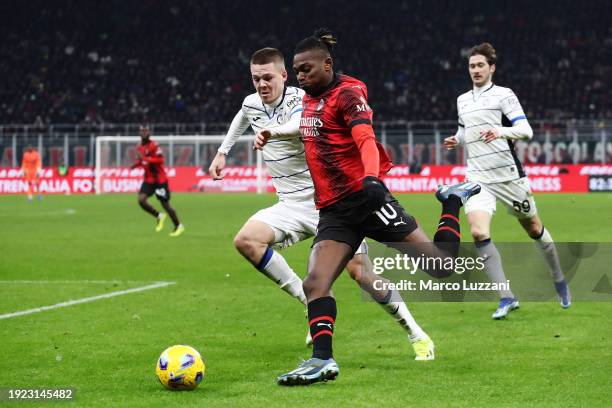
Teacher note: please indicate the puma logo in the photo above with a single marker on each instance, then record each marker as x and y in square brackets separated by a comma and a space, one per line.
[400, 222]
[325, 324]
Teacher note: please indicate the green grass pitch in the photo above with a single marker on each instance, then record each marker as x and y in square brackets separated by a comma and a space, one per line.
[249, 331]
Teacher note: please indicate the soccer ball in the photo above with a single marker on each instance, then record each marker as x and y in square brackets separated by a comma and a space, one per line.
[180, 368]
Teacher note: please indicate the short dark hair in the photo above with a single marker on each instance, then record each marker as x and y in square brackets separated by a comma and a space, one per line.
[322, 39]
[266, 56]
[486, 50]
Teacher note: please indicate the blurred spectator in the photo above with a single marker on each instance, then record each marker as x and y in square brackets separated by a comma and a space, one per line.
[187, 61]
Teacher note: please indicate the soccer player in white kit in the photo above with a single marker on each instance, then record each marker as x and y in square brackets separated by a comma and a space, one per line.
[490, 120]
[276, 109]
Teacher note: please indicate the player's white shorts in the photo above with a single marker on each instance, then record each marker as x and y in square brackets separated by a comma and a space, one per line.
[293, 222]
[516, 195]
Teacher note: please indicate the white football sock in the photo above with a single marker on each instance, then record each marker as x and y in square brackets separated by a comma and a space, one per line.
[275, 267]
[493, 265]
[547, 247]
[402, 315]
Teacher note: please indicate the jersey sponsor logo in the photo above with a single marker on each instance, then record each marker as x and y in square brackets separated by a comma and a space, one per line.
[314, 121]
[320, 105]
[309, 126]
[293, 102]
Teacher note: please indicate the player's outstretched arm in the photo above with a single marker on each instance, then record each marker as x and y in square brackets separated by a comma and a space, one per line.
[363, 135]
[287, 130]
[239, 124]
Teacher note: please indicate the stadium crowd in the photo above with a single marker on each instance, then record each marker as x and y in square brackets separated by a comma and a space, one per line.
[187, 61]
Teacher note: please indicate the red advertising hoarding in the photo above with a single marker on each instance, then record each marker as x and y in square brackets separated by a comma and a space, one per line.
[571, 178]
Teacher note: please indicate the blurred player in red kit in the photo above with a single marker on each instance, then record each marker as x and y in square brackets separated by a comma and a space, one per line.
[151, 159]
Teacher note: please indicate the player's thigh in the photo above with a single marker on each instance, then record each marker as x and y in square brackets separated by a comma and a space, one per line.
[483, 201]
[517, 197]
[360, 264]
[290, 222]
[162, 192]
[256, 231]
[337, 224]
[146, 191]
[327, 260]
[480, 224]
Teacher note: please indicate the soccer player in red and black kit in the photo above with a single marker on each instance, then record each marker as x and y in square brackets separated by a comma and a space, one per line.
[155, 182]
[346, 163]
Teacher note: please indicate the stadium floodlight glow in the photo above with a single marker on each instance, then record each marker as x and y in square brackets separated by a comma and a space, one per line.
[115, 152]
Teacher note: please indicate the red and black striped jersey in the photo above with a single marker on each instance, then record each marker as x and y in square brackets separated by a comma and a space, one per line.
[331, 152]
[152, 160]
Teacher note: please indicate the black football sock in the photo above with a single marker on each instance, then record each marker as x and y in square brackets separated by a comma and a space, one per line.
[171, 213]
[321, 318]
[449, 231]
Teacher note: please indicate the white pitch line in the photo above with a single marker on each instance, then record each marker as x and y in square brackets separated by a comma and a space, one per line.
[46, 282]
[86, 300]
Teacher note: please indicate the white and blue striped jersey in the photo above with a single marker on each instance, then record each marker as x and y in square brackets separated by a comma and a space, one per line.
[283, 155]
[482, 109]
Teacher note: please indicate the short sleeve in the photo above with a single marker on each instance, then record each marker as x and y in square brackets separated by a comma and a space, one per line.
[353, 106]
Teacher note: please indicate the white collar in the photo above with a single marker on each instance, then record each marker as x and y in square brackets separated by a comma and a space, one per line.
[478, 90]
[274, 103]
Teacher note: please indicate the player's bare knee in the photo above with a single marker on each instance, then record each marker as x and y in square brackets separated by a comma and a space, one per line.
[242, 243]
[248, 245]
[315, 286]
[308, 286]
[479, 233]
[534, 229]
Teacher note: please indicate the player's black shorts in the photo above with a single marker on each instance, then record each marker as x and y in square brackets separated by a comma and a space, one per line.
[161, 190]
[348, 221]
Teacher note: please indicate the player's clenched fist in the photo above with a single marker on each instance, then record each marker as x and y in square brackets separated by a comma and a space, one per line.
[450, 143]
[375, 191]
[261, 138]
[216, 166]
